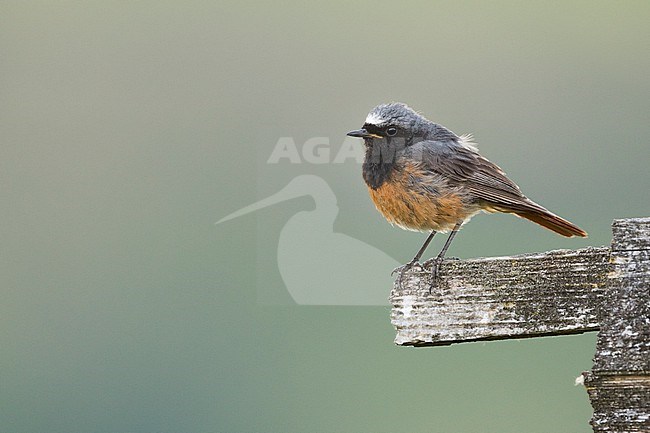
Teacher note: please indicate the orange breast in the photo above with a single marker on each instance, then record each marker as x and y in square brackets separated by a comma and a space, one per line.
[417, 200]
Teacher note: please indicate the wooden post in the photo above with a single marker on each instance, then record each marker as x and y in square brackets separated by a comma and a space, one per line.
[552, 293]
[619, 382]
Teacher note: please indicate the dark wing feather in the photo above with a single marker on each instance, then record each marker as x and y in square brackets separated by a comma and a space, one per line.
[463, 166]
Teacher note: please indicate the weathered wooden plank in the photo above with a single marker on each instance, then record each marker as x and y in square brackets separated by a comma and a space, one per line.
[619, 383]
[549, 294]
[631, 234]
[552, 293]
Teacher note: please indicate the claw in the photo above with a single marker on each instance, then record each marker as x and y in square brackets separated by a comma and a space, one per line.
[435, 269]
[397, 269]
[402, 270]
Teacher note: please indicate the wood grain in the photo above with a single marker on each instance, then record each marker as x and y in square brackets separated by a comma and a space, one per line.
[619, 383]
[552, 293]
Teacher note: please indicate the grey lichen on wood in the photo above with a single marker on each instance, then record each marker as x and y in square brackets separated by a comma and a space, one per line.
[553, 293]
[619, 383]
[557, 292]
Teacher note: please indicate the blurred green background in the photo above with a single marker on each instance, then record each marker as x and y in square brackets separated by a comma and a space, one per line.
[129, 128]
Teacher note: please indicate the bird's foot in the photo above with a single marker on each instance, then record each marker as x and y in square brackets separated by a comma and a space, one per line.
[401, 270]
[435, 270]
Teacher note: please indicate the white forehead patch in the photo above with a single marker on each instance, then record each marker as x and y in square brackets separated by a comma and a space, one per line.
[374, 119]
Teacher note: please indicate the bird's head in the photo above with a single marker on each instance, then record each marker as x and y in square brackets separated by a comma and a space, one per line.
[387, 131]
[397, 123]
[393, 125]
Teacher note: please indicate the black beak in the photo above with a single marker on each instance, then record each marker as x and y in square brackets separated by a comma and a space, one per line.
[361, 133]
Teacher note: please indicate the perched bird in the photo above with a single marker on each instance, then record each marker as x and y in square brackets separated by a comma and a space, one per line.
[423, 177]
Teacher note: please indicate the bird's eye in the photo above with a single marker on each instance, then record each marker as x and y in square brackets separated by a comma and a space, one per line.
[391, 131]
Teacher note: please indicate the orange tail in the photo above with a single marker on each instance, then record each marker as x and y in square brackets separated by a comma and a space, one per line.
[552, 222]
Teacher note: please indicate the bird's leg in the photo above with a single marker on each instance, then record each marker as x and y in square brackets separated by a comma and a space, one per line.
[435, 263]
[402, 269]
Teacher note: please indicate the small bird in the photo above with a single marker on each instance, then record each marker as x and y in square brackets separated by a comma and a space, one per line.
[423, 177]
